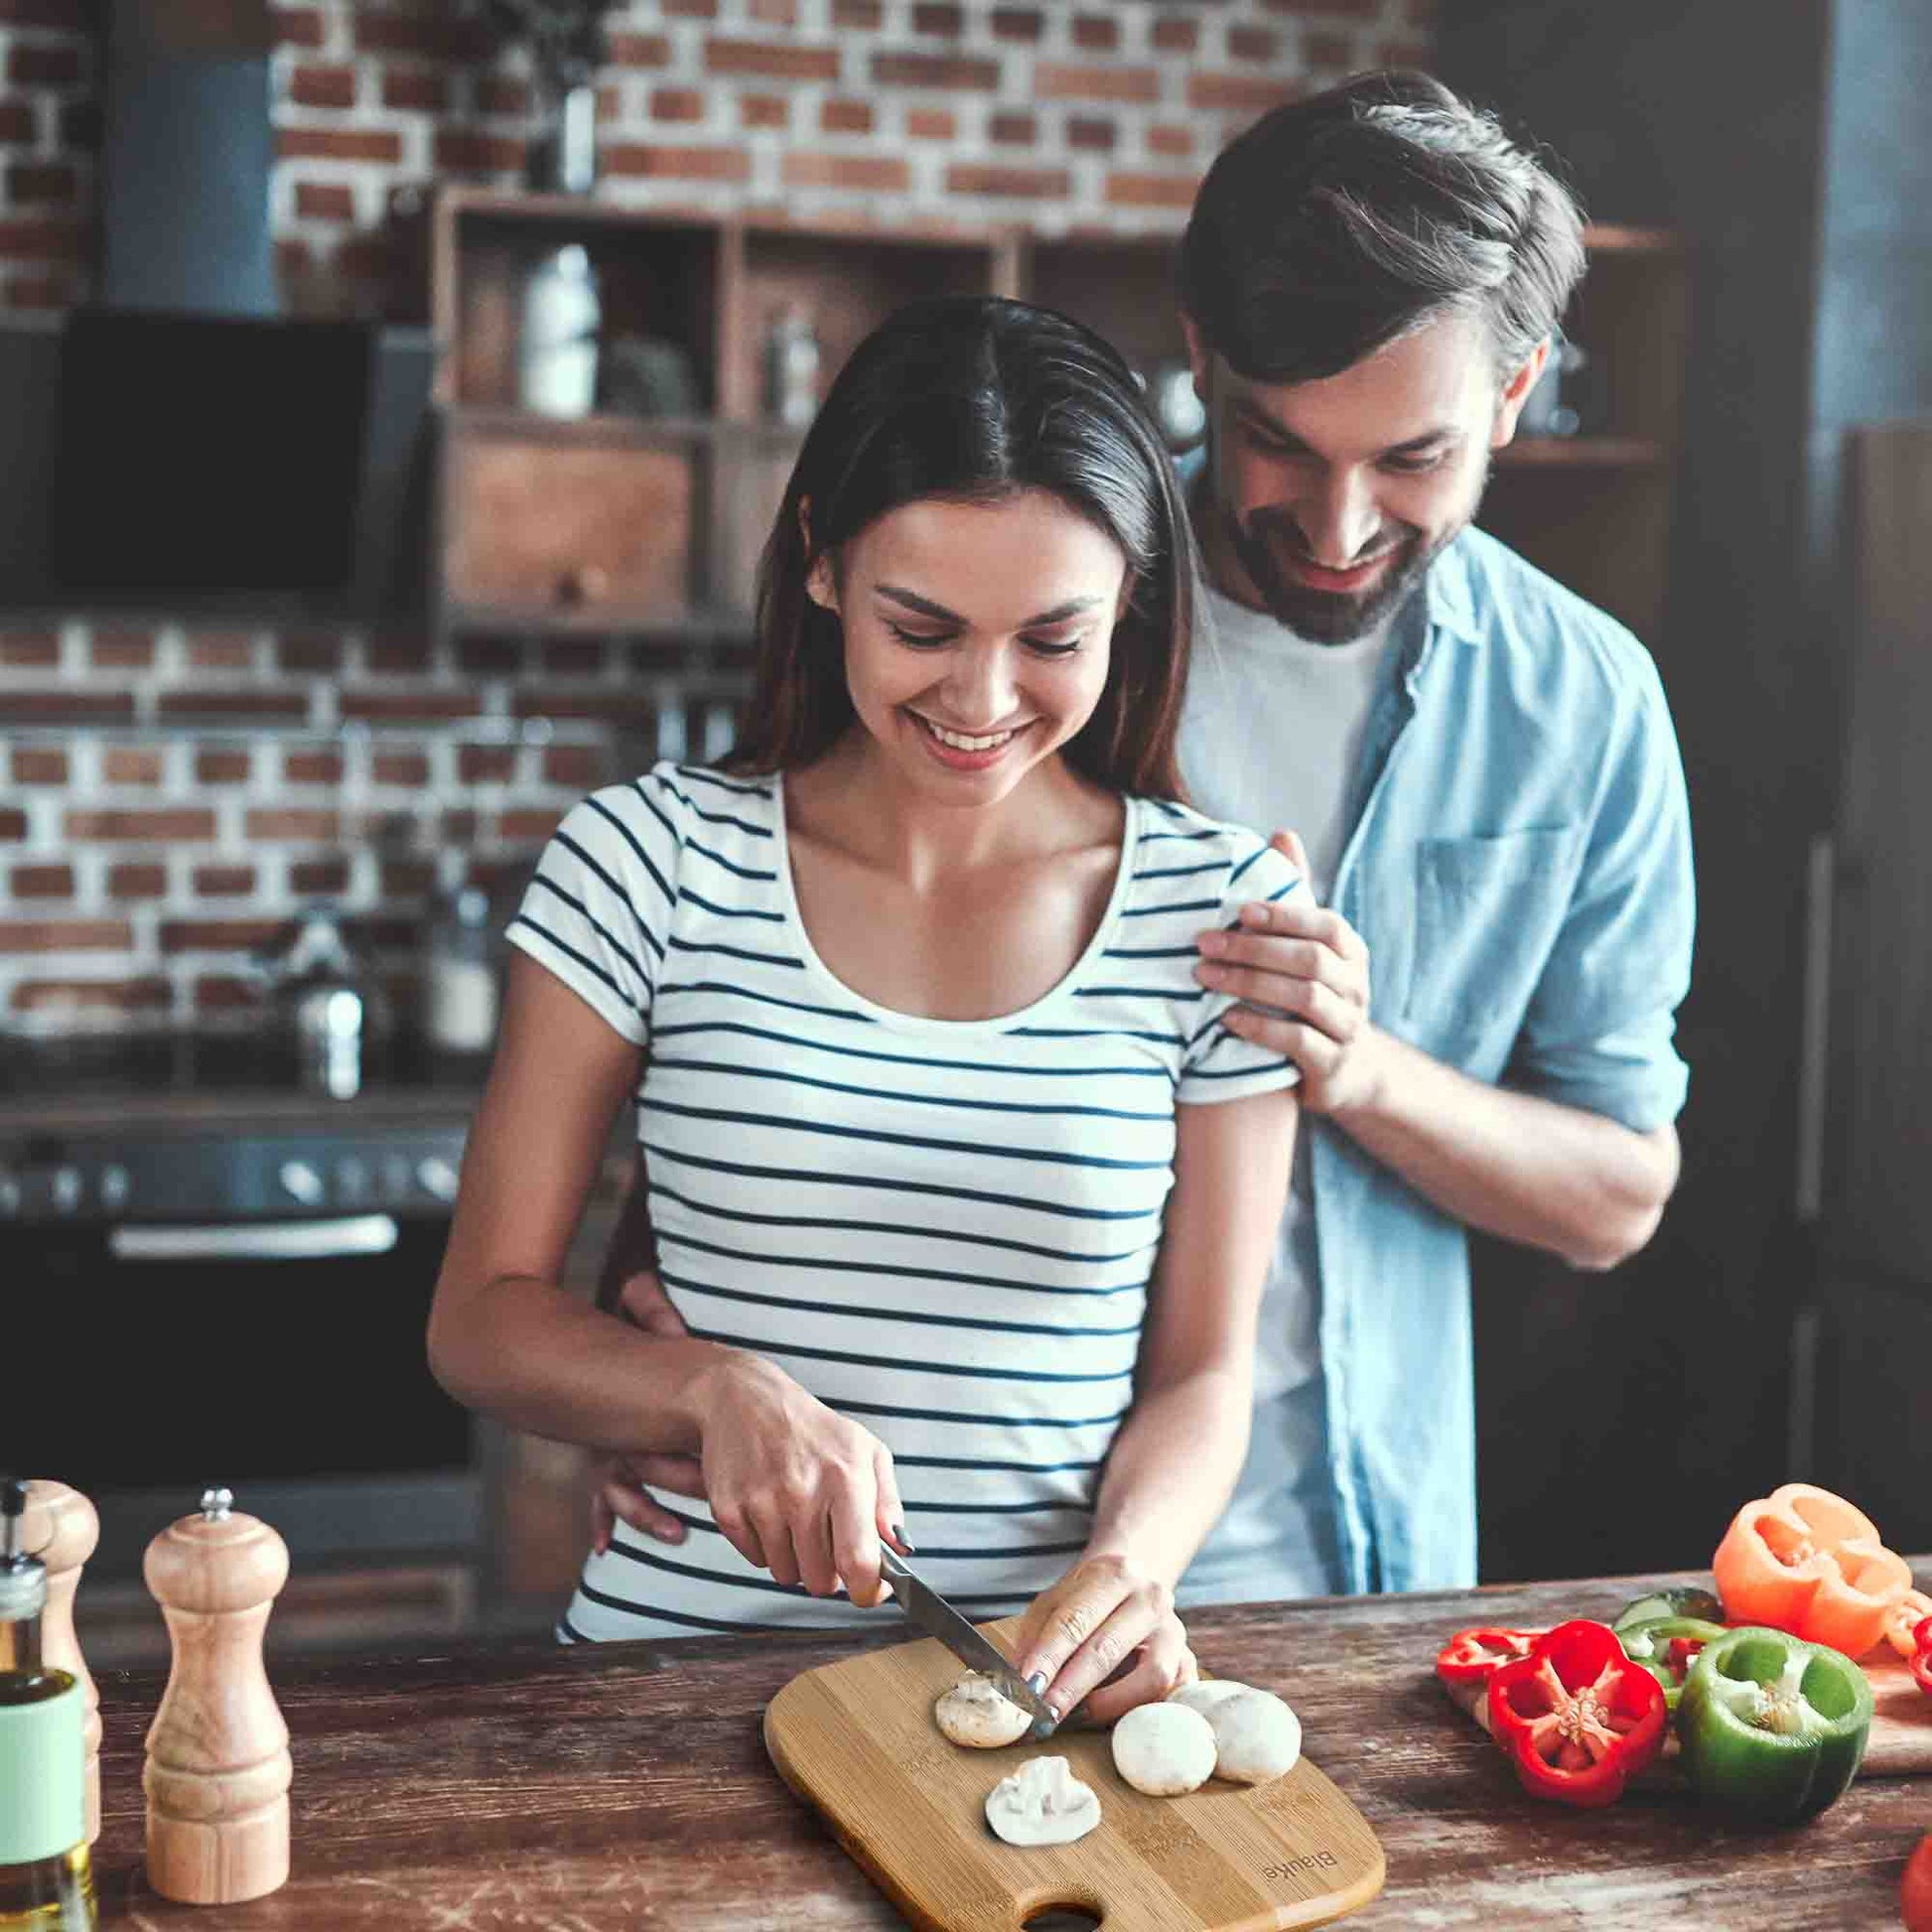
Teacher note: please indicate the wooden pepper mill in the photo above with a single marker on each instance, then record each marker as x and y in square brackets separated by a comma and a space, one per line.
[217, 1771]
[61, 1528]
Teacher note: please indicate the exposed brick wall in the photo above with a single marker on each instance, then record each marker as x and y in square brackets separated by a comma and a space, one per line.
[170, 794]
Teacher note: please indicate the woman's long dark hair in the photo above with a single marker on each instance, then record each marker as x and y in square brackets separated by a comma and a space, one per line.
[973, 398]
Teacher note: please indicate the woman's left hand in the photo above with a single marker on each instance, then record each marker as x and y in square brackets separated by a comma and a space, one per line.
[1104, 1615]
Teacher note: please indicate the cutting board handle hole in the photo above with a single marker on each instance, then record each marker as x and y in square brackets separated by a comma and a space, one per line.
[1061, 1918]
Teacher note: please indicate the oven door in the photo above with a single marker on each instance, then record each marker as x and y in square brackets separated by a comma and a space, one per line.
[283, 1358]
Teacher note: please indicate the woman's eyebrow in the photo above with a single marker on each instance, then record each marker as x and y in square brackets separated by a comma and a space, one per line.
[925, 606]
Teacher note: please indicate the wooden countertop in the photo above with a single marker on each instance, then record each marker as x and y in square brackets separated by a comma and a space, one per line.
[627, 1785]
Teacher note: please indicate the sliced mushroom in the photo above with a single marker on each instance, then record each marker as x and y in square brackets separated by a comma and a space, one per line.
[1256, 1738]
[1205, 1692]
[1042, 1803]
[1165, 1750]
[974, 1713]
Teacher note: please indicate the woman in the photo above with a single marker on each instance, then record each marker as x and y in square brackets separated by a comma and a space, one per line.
[963, 1193]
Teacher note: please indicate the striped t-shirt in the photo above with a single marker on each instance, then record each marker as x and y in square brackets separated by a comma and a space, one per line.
[943, 1228]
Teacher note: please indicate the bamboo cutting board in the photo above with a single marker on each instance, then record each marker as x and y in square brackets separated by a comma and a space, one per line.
[856, 1740]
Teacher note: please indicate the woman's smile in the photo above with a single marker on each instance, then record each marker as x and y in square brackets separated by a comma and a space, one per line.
[965, 751]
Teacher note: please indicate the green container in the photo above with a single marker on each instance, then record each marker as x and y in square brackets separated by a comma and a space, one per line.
[42, 1780]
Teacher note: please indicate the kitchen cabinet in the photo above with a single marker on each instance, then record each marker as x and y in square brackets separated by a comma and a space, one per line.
[618, 1785]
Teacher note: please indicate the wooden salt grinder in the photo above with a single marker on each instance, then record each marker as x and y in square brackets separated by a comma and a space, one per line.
[217, 1771]
[62, 1529]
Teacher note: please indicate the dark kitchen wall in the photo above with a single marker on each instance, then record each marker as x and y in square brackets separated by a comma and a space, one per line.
[172, 789]
[1788, 144]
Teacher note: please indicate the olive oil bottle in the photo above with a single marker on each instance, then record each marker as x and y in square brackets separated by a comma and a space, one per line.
[46, 1877]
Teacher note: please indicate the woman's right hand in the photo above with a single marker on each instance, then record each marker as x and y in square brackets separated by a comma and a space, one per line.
[794, 1487]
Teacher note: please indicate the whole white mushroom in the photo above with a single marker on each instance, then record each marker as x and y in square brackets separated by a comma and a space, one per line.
[1256, 1738]
[975, 1713]
[1205, 1692]
[1042, 1803]
[1165, 1750]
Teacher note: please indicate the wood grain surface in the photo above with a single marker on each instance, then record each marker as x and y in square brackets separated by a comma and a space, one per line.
[858, 1740]
[515, 1788]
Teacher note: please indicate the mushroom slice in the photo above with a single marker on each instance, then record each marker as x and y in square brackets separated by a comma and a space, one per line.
[1205, 1692]
[1165, 1750]
[1256, 1738]
[1042, 1803]
[974, 1713]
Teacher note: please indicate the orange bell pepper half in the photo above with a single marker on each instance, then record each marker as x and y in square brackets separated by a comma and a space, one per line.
[1903, 1618]
[1805, 1561]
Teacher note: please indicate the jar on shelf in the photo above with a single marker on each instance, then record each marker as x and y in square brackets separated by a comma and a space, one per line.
[459, 997]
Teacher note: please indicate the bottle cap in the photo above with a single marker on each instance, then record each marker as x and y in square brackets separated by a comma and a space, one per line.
[23, 1577]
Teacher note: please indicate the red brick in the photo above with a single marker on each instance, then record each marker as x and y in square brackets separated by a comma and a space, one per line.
[931, 123]
[173, 824]
[633, 160]
[428, 704]
[1151, 191]
[764, 110]
[222, 992]
[857, 16]
[33, 65]
[1096, 32]
[137, 882]
[954, 73]
[415, 91]
[338, 144]
[499, 93]
[36, 649]
[293, 259]
[398, 651]
[1169, 138]
[319, 876]
[303, 824]
[1031, 184]
[60, 706]
[689, 9]
[234, 704]
[531, 827]
[324, 201]
[65, 935]
[41, 881]
[224, 881]
[224, 768]
[37, 768]
[431, 35]
[125, 764]
[938, 17]
[13, 823]
[1248, 92]
[488, 655]
[1327, 51]
[1252, 42]
[117, 996]
[122, 650]
[563, 764]
[576, 656]
[400, 767]
[42, 291]
[318, 86]
[772, 59]
[1091, 136]
[75, 16]
[1012, 130]
[1175, 33]
[1400, 54]
[1054, 81]
[406, 877]
[16, 121]
[676, 104]
[312, 768]
[1356, 9]
[462, 150]
[46, 238]
[865, 173]
[219, 935]
[481, 764]
[1017, 23]
[297, 26]
[619, 709]
[459, 827]
[773, 12]
[845, 117]
[221, 650]
[52, 185]
[309, 653]
[639, 51]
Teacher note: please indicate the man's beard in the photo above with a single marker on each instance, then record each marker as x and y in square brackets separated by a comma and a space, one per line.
[1335, 617]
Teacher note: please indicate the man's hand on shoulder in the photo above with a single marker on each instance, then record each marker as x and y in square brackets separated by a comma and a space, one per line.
[1302, 973]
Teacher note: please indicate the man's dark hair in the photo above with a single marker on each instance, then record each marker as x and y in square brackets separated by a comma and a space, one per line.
[1337, 224]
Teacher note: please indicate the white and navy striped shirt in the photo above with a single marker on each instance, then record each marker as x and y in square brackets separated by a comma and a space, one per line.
[943, 1228]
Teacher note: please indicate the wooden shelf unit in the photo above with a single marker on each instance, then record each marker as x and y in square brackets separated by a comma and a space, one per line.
[627, 523]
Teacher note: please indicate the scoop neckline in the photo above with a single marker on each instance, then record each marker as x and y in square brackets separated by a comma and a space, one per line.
[1056, 995]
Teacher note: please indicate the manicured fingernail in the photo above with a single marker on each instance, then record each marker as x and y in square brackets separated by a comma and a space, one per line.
[1037, 1683]
[903, 1541]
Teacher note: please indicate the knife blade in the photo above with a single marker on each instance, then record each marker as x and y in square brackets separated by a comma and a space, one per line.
[937, 1619]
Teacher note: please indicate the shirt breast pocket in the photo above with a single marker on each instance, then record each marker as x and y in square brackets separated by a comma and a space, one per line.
[1488, 909]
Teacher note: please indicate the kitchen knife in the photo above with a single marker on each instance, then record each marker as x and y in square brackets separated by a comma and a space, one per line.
[937, 1619]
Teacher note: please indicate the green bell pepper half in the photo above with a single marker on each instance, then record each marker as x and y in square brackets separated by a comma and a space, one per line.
[1649, 1645]
[1680, 1600]
[1772, 1729]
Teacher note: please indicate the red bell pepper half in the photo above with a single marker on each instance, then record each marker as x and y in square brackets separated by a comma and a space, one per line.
[1577, 1715]
[1922, 1656]
[1470, 1655]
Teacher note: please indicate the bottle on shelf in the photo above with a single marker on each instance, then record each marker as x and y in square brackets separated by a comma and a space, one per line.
[46, 1872]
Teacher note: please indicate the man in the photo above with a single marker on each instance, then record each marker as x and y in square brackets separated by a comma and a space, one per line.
[1489, 800]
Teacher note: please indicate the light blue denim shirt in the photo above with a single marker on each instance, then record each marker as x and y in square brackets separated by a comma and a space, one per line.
[1520, 868]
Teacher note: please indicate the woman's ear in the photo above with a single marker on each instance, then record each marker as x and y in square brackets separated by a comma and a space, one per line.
[821, 579]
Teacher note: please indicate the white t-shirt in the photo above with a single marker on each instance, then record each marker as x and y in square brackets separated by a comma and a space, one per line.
[942, 1228]
[1270, 737]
